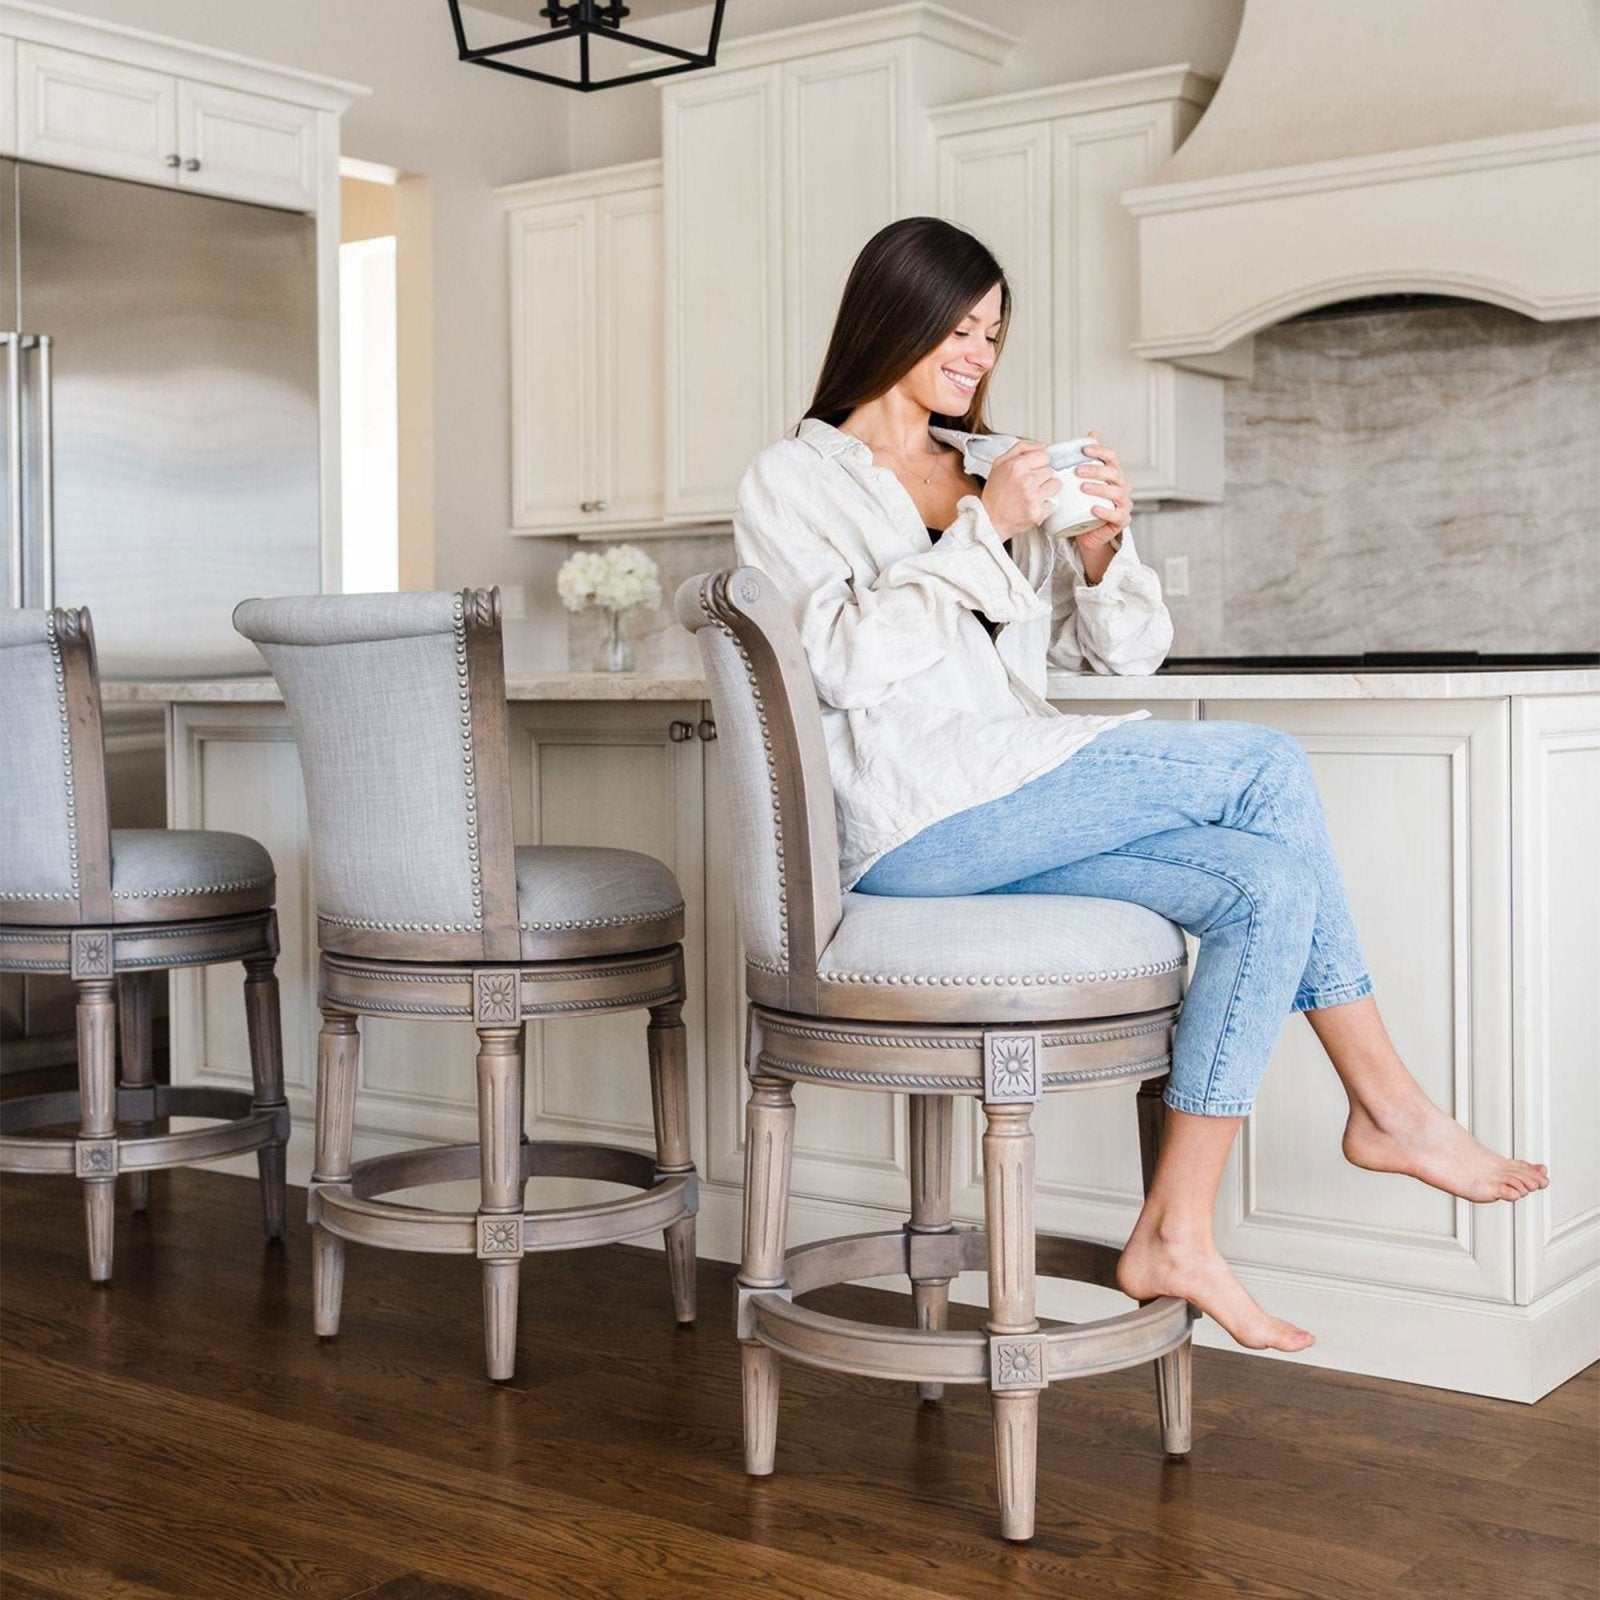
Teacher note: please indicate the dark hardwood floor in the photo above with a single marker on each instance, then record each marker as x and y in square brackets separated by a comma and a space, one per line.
[182, 1434]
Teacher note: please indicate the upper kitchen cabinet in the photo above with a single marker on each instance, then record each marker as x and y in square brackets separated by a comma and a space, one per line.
[586, 343]
[760, 230]
[104, 99]
[1039, 177]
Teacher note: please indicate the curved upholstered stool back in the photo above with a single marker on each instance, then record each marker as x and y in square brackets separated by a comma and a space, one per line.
[399, 711]
[997, 997]
[426, 908]
[55, 846]
[108, 908]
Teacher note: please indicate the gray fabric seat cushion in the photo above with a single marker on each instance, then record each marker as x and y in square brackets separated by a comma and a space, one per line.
[577, 900]
[1006, 955]
[152, 865]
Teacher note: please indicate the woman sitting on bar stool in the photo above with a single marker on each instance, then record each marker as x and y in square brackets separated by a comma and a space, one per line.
[928, 604]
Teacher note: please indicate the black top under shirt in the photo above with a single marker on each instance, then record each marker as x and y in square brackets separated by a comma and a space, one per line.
[936, 534]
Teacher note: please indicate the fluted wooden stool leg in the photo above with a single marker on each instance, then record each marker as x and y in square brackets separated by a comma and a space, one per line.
[1016, 1360]
[338, 1058]
[97, 1125]
[932, 1123]
[768, 1155]
[138, 1072]
[500, 1192]
[266, 1073]
[1174, 1371]
[669, 1096]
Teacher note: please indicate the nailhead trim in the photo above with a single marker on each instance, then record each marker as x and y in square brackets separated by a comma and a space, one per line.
[601, 922]
[194, 888]
[1006, 980]
[781, 968]
[468, 767]
[51, 619]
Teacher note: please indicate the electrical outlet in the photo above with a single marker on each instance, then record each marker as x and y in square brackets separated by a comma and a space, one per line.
[1175, 575]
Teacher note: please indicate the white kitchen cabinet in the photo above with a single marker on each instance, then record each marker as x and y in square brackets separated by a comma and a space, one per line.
[247, 146]
[586, 350]
[1038, 176]
[8, 98]
[76, 110]
[128, 121]
[760, 233]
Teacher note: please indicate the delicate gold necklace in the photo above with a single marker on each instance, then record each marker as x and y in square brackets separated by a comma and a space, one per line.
[915, 472]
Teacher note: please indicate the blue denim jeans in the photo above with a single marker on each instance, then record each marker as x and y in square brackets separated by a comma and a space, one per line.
[1216, 825]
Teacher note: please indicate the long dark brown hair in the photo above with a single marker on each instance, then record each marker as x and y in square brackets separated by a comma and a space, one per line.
[911, 285]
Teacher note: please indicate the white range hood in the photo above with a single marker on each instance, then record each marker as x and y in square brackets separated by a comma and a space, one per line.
[1364, 147]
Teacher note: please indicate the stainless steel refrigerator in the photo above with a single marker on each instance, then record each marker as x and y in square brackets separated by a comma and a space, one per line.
[161, 437]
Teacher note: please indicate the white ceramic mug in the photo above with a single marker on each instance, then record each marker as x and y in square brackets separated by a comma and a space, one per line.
[1075, 508]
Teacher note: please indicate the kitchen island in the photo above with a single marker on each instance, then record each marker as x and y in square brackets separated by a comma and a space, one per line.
[1463, 809]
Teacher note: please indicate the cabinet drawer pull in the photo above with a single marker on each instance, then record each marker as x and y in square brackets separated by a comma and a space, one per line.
[174, 160]
[707, 729]
[680, 732]
[191, 165]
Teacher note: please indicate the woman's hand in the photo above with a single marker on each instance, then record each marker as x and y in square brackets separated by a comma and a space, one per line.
[1107, 482]
[1021, 488]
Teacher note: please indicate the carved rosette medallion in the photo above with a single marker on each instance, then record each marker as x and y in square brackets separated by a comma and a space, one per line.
[1018, 1363]
[496, 1002]
[499, 1238]
[1011, 1068]
[91, 953]
[95, 1158]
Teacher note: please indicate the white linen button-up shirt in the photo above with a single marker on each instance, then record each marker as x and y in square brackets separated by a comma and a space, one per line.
[923, 713]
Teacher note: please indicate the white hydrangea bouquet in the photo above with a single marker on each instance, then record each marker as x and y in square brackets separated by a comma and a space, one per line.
[614, 580]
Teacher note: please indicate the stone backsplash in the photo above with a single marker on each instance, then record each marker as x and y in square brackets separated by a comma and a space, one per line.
[1396, 480]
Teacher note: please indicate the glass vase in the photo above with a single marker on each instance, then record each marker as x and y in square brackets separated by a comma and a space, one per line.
[616, 648]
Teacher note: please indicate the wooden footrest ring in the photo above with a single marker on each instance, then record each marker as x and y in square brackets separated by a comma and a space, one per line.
[353, 1210]
[920, 1355]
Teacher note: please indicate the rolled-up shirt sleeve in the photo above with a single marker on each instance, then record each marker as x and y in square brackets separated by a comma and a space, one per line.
[1119, 626]
[865, 632]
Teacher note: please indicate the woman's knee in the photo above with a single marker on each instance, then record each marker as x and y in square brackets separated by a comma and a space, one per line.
[1270, 883]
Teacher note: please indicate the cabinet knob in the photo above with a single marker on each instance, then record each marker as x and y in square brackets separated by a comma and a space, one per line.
[174, 160]
[593, 505]
[191, 165]
[680, 732]
[602, 505]
[707, 729]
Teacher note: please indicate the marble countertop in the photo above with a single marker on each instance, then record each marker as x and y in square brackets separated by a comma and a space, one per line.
[632, 686]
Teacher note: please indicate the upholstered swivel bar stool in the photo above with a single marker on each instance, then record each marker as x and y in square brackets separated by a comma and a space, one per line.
[426, 909]
[109, 907]
[1001, 997]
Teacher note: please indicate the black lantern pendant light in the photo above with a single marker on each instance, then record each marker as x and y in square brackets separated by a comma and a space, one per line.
[585, 20]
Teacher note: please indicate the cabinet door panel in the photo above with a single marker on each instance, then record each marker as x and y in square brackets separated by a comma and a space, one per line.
[1429, 890]
[552, 333]
[100, 116]
[840, 116]
[997, 184]
[724, 286]
[615, 780]
[628, 412]
[1166, 424]
[249, 147]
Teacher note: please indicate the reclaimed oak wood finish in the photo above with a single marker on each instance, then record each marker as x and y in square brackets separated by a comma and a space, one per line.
[483, 975]
[931, 1041]
[109, 945]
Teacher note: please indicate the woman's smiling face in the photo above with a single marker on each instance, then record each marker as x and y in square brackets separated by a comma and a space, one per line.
[944, 380]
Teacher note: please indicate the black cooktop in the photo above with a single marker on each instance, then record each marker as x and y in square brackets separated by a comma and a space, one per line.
[1386, 661]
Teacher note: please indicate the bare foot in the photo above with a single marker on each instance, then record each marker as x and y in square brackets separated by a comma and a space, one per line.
[1195, 1271]
[1424, 1143]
